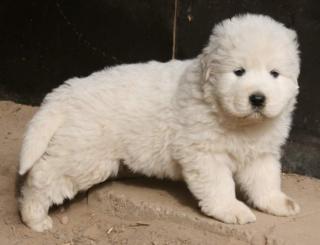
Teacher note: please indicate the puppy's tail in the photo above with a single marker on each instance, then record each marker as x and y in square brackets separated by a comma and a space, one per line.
[40, 130]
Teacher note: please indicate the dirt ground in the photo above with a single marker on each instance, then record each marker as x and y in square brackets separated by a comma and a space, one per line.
[140, 211]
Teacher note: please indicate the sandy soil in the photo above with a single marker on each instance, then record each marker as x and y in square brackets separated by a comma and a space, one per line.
[137, 211]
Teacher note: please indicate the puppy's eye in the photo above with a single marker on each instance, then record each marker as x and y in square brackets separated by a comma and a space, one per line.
[239, 72]
[274, 73]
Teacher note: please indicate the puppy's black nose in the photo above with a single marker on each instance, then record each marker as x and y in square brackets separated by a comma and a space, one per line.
[257, 99]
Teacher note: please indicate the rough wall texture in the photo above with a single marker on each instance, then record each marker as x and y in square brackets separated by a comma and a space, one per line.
[44, 42]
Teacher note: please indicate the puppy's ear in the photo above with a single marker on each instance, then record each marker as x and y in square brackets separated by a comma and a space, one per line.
[205, 67]
[297, 84]
[292, 34]
[294, 38]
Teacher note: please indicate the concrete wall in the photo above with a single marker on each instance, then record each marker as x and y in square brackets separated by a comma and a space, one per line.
[44, 42]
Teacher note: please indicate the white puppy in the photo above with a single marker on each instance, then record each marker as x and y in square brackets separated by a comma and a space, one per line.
[216, 121]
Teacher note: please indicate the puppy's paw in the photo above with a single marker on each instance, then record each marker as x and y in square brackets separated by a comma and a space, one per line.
[279, 204]
[234, 212]
[43, 225]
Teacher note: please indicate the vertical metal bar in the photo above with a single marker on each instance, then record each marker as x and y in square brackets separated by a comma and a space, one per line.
[174, 32]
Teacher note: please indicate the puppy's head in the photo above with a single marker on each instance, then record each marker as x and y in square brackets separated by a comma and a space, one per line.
[250, 67]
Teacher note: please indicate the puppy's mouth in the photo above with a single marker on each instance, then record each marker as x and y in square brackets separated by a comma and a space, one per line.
[255, 115]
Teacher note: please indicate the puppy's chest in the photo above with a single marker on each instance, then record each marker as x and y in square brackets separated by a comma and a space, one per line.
[244, 148]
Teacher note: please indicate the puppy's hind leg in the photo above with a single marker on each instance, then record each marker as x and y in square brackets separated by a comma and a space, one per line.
[49, 184]
[34, 206]
[43, 187]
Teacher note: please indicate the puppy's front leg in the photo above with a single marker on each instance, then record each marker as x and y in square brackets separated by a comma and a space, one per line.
[209, 178]
[261, 181]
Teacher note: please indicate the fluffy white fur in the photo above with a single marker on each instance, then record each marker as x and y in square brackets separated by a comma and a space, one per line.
[181, 119]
